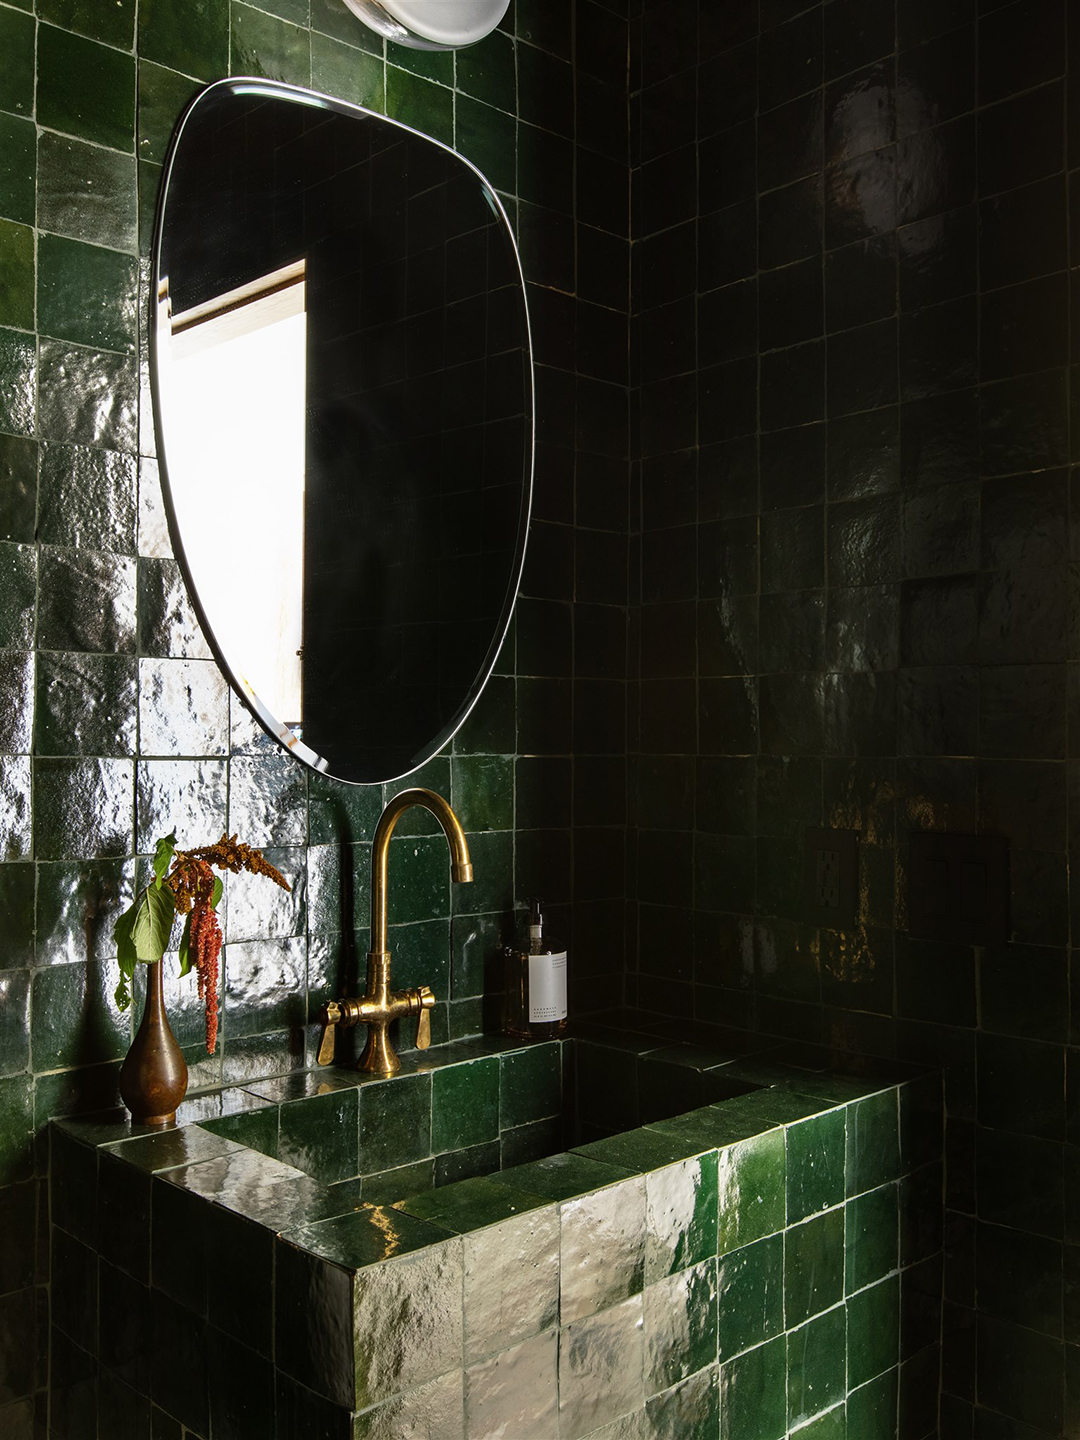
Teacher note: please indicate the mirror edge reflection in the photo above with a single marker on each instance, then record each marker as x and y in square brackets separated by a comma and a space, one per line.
[276, 729]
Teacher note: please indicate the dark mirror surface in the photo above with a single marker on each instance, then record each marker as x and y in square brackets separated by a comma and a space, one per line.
[343, 395]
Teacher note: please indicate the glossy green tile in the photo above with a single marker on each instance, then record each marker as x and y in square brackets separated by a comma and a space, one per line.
[830, 1426]
[680, 1315]
[688, 1411]
[162, 97]
[388, 1186]
[16, 275]
[395, 1122]
[419, 883]
[415, 1304]
[298, 11]
[511, 1281]
[192, 38]
[641, 1150]
[465, 1104]
[871, 1409]
[488, 138]
[16, 702]
[17, 66]
[86, 396]
[319, 1136]
[492, 886]
[368, 1236]
[87, 498]
[815, 1165]
[114, 24]
[14, 1021]
[86, 704]
[873, 1334]
[474, 1160]
[751, 1178]
[262, 44]
[817, 1367]
[15, 814]
[427, 107]
[491, 727]
[18, 378]
[530, 1085]
[67, 272]
[18, 577]
[813, 1266]
[340, 69]
[18, 168]
[86, 192]
[434, 1408]
[87, 601]
[753, 1401]
[470, 1204]
[257, 1129]
[483, 791]
[600, 1361]
[516, 1389]
[680, 1215]
[85, 89]
[871, 1236]
[602, 1249]
[560, 1177]
[17, 915]
[75, 1020]
[751, 1295]
[873, 1146]
[486, 71]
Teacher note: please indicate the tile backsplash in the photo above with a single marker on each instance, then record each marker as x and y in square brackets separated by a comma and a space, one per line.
[115, 723]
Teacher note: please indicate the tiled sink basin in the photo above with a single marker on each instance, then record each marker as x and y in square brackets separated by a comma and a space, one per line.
[504, 1241]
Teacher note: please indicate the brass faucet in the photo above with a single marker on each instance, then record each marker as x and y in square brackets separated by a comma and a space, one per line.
[381, 1005]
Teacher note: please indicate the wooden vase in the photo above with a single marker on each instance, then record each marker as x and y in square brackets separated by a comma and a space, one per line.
[154, 1075]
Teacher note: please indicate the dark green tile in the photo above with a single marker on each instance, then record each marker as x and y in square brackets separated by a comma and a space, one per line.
[530, 1085]
[426, 107]
[264, 45]
[16, 275]
[483, 791]
[871, 1409]
[87, 601]
[329, 18]
[641, 1150]
[751, 1289]
[86, 192]
[193, 37]
[435, 65]
[87, 499]
[16, 1125]
[86, 704]
[751, 1190]
[17, 65]
[367, 1236]
[419, 879]
[1020, 1372]
[873, 1335]
[815, 1165]
[17, 915]
[871, 1239]
[680, 1319]
[398, 1184]
[395, 1122]
[14, 1021]
[753, 1404]
[68, 271]
[350, 74]
[85, 89]
[688, 1411]
[486, 71]
[492, 724]
[163, 95]
[18, 379]
[257, 1129]
[298, 11]
[18, 579]
[114, 24]
[465, 1104]
[814, 1266]
[18, 168]
[466, 1164]
[319, 1136]
[561, 1177]
[873, 1143]
[488, 138]
[16, 702]
[830, 1426]
[680, 1215]
[86, 396]
[75, 1020]
[492, 887]
[817, 1366]
[342, 814]
[470, 1204]
[18, 487]
[14, 807]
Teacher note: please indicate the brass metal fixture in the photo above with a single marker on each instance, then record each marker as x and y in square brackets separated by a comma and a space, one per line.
[381, 1005]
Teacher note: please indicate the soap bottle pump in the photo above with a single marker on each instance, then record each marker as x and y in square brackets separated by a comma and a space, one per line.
[535, 998]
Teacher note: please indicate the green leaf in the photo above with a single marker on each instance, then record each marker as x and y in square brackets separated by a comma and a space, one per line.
[185, 945]
[122, 993]
[216, 893]
[164, 852]
[152, 918]
[125, 946]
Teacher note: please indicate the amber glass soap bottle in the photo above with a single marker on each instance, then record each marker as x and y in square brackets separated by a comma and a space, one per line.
[535, 992]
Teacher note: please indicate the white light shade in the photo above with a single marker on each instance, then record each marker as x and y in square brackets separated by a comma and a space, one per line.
[431, 24]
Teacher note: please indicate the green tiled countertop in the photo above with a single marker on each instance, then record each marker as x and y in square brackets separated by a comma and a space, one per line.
[670, 1270]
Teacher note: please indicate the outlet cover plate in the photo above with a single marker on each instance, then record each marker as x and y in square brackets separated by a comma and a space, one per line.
[831, 883]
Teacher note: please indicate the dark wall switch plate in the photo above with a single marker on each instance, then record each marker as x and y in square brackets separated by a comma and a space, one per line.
[958, 887]
[831, 884]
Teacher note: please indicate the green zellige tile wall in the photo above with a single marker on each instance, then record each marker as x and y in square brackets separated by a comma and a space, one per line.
[855, 342]
[114, 722]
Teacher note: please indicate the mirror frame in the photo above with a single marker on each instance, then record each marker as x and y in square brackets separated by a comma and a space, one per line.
[276, 729]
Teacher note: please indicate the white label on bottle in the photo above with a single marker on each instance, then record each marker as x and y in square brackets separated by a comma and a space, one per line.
[547, 988]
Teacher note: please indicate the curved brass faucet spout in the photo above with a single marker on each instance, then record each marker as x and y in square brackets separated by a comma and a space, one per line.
[381, 1005]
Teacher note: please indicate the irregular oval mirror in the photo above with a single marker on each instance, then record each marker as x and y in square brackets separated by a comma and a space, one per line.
[344, 405]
